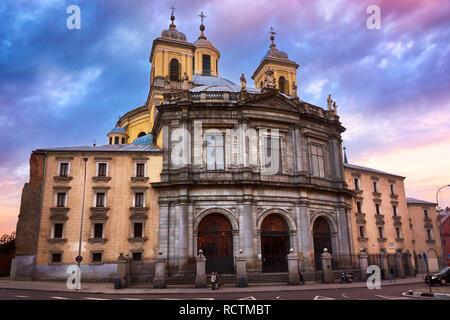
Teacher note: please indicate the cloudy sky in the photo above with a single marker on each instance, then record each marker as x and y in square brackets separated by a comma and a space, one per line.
[61, 87]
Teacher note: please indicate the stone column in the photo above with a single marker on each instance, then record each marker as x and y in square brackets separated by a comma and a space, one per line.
[241, 271]
[398, 262]
[410, 264]
[160, 271]
[293, 276]
[384, 265]
[248, 230]
[363, 264]
[328, 276]
[305, 239]
[200, 277]
[122, 266]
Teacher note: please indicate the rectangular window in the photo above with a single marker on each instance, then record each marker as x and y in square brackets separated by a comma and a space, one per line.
[116, 140]
[100, 199]
[377, 208]
[318, 168]
[215, 152]
[394, 208]
[358, 207]
[97, 257]
[98, 230]
[375, 186]
[137, 230]
[110, 140]
[139, 199]
[123, 140]
[356, 182]
[272, 153]
[362, 234]
[102, 167]
[380, 232]
[392, 189]
[206, 64]
[140, 168]
[429, 234]
[58, 231]
[63, 169]
[61, 199]
[56, 257]
[398, 232]
[137, 256]
[425, 212]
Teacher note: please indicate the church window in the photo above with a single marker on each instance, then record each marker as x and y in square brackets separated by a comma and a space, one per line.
[272, 153]
[116, 140]
[137, 256]
[318, 168]
[98, 230]
[282, 84]
[56, 257]
[141, 134]
[97, 257]
[61, 199]
[174, 70]
[214, 152]
[137, 230]
[123, 140]
[261, 84]
[58, 230]
[206, 64]
[140, 169]
[63, 169]
[110, 140]
[139, 199]
[100, 199]
[102, 169]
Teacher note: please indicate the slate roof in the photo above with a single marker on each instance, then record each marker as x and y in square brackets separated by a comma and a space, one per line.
[352, 166]
[108, 148]
[418, 201]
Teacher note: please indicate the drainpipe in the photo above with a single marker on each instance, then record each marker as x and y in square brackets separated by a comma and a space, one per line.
[33, 275]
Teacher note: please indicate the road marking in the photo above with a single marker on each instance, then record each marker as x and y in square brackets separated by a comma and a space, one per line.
[130, 299]
[345, 296]
[60, 298]
[323, 298]
[89, 298]
[391, 297]
[248, 298]
[22, 296]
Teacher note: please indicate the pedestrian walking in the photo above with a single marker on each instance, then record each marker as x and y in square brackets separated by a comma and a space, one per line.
[213, 281]
[391, 275]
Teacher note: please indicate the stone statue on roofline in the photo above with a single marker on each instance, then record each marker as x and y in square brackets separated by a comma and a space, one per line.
[243, 82]
[294, 90]
[329, 102]
[334, 107]
[185, 81]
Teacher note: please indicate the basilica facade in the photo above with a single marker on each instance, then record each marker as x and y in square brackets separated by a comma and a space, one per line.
[205, 164]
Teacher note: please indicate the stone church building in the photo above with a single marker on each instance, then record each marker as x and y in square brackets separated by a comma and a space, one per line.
[204, 164]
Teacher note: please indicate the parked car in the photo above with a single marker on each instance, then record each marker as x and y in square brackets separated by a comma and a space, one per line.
[442, 277]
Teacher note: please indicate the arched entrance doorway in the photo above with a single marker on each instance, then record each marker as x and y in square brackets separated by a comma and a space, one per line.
[274, 244]
[322, 240]
[215, 238]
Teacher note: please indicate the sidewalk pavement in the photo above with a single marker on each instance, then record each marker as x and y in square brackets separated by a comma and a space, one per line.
[108, 288]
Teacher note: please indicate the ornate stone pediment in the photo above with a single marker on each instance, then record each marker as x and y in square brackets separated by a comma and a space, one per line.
[272, 99]
[99, 213]
[59, 213]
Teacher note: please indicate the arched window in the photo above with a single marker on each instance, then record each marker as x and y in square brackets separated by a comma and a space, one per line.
[141, 134]
[261, 84]
[174, 70]
[282, 84]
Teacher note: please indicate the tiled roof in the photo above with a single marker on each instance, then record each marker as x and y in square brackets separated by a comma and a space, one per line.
[418, 201]
[107, 148]
[352, 166]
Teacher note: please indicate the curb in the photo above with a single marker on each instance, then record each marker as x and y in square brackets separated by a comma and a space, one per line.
[430, 295]
[151, 291]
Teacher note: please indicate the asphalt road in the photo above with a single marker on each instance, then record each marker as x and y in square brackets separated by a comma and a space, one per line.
[396, 292]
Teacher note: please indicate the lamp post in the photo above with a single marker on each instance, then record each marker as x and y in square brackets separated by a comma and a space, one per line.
[79, 258]
[440, 225]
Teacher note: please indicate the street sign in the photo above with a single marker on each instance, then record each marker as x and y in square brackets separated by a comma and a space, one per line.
[78, 259]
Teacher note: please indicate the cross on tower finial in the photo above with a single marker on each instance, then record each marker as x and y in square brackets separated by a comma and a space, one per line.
[173, 9]
[272, 37]
[202, 16]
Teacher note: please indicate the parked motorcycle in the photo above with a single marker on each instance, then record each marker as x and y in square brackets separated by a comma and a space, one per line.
[346, 277]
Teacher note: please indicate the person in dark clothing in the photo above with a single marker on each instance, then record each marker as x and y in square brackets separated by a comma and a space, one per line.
[391, 274]
[302, 280]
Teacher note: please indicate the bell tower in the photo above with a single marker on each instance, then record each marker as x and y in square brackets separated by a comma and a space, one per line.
[206, 56]
[284, 70]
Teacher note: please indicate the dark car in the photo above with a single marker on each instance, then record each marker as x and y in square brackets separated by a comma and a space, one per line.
[442, 277]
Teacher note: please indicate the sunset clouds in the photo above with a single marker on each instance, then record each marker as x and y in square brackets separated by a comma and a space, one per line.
[61, 87]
